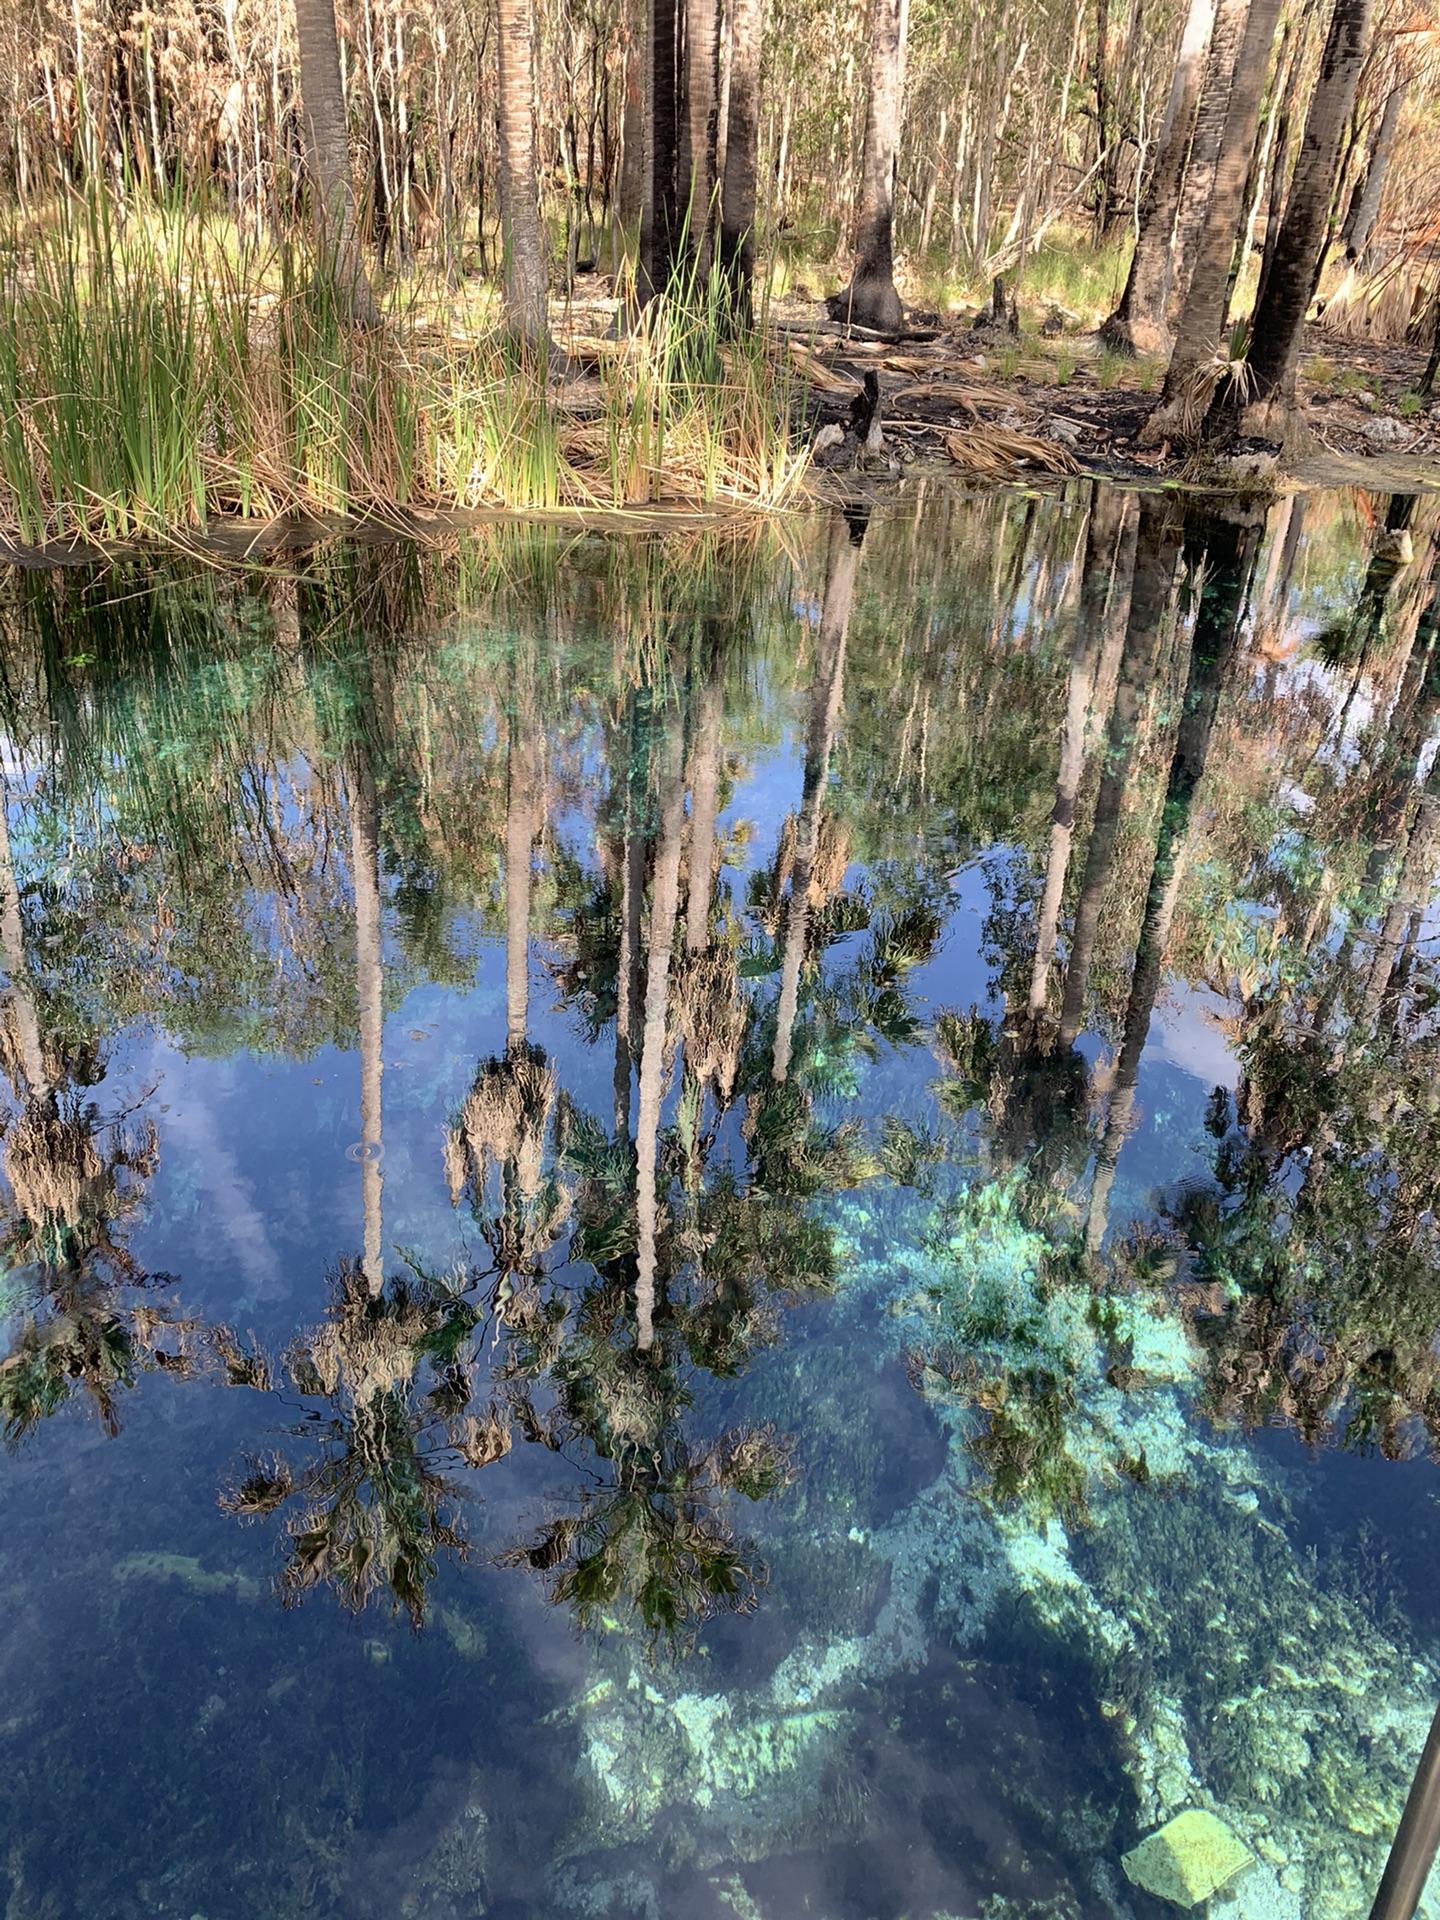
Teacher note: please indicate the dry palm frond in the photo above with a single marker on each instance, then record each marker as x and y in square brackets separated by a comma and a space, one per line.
[815, 372]
[503, 1123]
[712, 1015]
[831, 860]
[481, 1442]
[971, 398]
[995, 453]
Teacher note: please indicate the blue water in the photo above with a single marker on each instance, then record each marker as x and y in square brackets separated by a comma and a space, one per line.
[1035, 1441]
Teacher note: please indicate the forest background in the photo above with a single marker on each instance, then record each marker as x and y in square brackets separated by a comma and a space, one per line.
[659, 190]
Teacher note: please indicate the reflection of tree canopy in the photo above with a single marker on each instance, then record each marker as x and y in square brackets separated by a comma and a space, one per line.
[376, 1506]
[1320, 1228]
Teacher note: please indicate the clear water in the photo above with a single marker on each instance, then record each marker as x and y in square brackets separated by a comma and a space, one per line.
[973, 977]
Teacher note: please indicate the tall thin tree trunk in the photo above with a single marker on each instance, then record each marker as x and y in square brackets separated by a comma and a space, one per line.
[1280, 155]
[699, 128]
[660, 221]
[370, 994]
[742, 157]
[525, 277]
[1138, 324]
[842, 564]
[1198, 183]
[12, 942]
[519, 845]
[1365, 210]
[1202, 320]
[327, 156]
[664, 906]
[871, 300]
[631, 186]
[1278, 327]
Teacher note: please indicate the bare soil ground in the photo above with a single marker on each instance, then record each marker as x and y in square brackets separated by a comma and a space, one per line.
[951, 393]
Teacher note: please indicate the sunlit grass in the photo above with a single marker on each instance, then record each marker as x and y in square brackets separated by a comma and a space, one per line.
[154, 376]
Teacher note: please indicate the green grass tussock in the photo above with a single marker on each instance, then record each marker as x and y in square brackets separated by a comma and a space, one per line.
[151, 380]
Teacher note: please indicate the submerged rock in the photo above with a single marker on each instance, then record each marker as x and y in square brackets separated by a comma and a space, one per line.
[1188, 1859]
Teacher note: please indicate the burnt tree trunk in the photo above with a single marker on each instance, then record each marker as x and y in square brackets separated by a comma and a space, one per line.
[1198, 185]
[742, 158]
[871, 300]
[1138, 324]
[1202, 319]
[1279, 321]
[660, 221]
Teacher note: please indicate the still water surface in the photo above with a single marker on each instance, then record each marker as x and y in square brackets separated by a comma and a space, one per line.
[722, 1225]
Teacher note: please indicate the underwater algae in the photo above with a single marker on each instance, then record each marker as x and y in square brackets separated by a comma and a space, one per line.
[1241, 1688]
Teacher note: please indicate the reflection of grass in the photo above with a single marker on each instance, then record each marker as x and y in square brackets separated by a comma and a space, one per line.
[151, 379]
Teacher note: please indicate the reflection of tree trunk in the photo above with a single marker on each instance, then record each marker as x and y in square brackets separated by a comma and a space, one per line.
[370, 992]
[1227, 559]
[632, 900]
[704, 796]
[841, 566]
[1109, 517]
[664, 905]
[12, 939]
[1157, 548]
[519, 841]
[1412, 895]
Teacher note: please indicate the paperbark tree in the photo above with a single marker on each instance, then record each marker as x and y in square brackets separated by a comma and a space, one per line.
[327, 157]
[525, 277]
[1199, 331]
[1263, 406]
[742, 158]
[660, 220]
[1138, 324]
[871, 300]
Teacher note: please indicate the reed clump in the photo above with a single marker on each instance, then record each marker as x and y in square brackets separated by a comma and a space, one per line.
[151, 381]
